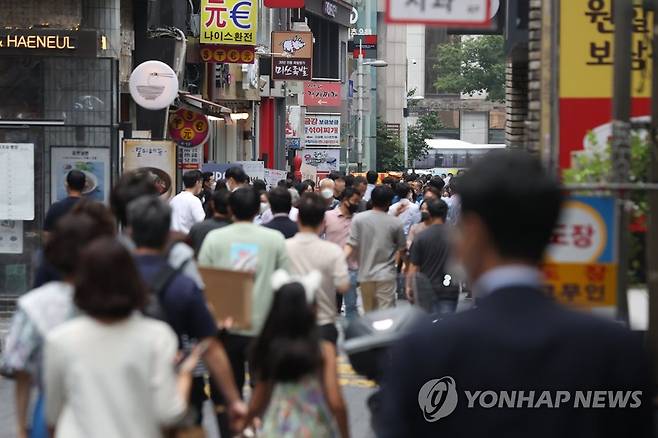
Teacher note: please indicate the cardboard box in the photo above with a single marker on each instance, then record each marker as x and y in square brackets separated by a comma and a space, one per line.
[229, 295]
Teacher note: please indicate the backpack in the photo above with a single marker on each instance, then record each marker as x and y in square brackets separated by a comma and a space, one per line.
[157, 286]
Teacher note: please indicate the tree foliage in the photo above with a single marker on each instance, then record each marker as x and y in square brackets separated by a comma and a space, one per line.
[472, 65]
[390, 155]
[425, 128]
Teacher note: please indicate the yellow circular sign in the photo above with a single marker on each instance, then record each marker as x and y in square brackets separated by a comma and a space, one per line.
[188, 115]
[200, 126]
[187, 134]
[219, 55]
[233, 55]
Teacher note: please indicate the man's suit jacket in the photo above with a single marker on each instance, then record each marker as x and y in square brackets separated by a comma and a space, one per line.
[516, 339]
[283, 224]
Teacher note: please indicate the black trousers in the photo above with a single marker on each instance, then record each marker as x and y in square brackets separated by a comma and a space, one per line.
[237, 350]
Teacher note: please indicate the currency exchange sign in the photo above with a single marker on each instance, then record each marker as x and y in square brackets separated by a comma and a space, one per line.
[229, 22]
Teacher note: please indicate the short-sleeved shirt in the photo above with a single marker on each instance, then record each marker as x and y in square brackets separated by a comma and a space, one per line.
[377, 237]
[307, 252]
[244, 246]
[57, 210]
[409, 217]
[186, 210]
[182, 301]
[430, 251]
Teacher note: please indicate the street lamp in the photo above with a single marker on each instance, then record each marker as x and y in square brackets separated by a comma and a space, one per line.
[360, 97]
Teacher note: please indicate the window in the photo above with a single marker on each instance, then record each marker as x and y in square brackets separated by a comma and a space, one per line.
[325, 50]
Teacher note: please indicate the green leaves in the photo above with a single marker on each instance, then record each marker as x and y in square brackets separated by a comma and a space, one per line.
[426, 128]
[471, 65]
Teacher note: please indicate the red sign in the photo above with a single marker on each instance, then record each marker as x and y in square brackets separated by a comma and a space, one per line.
[284, 4]
[366, 44]
[228, 54]
[188, 128]
[583, 117]
[322, 94]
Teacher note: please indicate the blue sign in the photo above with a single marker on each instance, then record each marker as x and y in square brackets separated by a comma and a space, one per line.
[218, 169]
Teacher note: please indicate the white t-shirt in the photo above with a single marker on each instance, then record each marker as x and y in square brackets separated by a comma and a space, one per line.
[268, 216]
[112, 380]
[187, 210]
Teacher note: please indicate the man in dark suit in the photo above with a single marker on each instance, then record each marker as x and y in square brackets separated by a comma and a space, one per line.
[280, 204]
[516, 340]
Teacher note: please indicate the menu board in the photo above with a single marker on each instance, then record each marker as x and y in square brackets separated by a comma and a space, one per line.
[17, 181]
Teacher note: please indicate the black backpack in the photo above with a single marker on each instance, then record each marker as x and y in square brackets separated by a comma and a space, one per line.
[157, 286]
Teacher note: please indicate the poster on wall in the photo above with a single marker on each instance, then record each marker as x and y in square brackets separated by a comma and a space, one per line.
[322, 129]
[11, 237]
[324, 159]
[17, 181]
[254, 169]
[190, 158]
[93, 162]
[273, 176]
[158, 157]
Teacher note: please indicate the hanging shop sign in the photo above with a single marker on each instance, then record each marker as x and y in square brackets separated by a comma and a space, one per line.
[190, 158]
[322, 159]
[225, 54]
[292, 4]
[322, 129]
[364, 43]
[153, 85]
[462, 13]
[232, 22]
[48, 42]
[318, 93]
[188, 128]
[297, 64]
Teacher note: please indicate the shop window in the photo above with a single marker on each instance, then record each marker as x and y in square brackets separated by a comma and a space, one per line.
[325, 50]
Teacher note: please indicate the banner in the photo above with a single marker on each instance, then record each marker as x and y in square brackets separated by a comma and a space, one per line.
[254, 169]
[158, 157]
[323, 159]
[308, 172]
[322, 129]
[93, 162]
[273, 176]
[586, 51]
[229, 22]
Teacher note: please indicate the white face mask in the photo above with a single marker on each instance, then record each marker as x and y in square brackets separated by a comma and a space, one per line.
[327, 193]
[213, 185]
[263, 207]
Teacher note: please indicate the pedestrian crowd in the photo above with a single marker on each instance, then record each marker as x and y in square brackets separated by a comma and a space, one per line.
[118, 338]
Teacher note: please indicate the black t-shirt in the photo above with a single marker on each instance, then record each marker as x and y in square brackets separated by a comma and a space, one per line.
[57, 210]
[199, 231]
[430, 251]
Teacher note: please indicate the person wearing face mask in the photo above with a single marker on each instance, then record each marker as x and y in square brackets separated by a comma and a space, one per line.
[236, 178]
[264, 209]
[425, 221]
[337, 224]
[327, 190]
[405, 209]
[186, 207]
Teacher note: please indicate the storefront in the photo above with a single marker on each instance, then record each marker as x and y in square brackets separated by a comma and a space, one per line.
[58, 112]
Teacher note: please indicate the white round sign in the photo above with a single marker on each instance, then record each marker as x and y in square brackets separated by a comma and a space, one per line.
[153, 85]
[580, 235]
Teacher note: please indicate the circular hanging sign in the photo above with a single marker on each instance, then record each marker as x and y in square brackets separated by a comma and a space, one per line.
[153, 85]
[188, 128]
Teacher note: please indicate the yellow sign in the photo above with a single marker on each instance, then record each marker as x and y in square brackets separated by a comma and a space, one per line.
[586, 49]
[582, 285]
[229, 22]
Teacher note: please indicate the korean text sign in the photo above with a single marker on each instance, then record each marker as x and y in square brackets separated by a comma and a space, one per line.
[229, 22]
[463, 13]
[322, 129]
[586, 70]
[581, 263]
[297, 64]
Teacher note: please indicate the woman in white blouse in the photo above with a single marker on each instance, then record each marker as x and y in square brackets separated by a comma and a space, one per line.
[110, 373]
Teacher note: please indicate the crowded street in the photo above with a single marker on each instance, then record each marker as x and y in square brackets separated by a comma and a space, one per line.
[328, 218]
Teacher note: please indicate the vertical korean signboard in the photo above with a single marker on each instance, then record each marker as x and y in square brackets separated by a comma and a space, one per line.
[230, 22]
[297, 64]
[586, 72]
[581, 263]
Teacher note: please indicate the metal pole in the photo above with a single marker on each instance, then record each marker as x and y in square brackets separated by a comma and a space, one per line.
[652, 215]
[359, 109]
[405, 126]
[621, 130]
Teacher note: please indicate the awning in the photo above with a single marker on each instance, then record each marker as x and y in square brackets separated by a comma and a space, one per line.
[198, 103]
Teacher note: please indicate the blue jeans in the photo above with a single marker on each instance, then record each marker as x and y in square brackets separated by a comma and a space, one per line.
[351, 308]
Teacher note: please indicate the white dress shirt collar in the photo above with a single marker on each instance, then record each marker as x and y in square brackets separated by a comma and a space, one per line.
[507, 276]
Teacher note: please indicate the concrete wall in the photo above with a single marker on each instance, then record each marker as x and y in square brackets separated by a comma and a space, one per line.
[391, 90]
